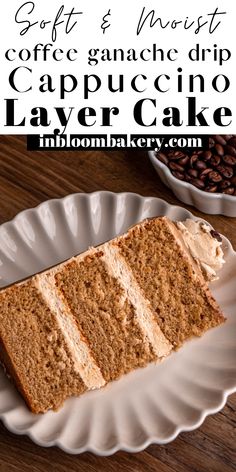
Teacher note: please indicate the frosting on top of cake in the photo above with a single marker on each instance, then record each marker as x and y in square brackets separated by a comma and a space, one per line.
[204, 245]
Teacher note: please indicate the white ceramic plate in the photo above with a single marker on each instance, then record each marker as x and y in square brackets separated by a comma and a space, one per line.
[211, 203]
[151, 405]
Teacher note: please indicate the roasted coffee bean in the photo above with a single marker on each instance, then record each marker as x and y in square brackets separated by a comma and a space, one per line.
[215, 161]
[219, 149]
[231, 160]
[233, 180]
[175, 166]
[219, 139]
[226, 171]
[193, 173]
[230, 150]
[198, 183]
[211, 143]
[200, 165]
[175, 155]
[178, 175]
[163, 158]
[183, 161]
[205, 173]
[215, 176]
[229, 191]
[187, 177]
[193, 159]
[206, 155]
[216, 235]
[232, 141]
[211, 188]
[224, 184]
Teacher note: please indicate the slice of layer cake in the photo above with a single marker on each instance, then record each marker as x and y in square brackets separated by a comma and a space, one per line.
[108, 311]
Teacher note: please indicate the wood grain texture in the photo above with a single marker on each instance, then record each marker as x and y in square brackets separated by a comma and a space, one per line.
[29, 178]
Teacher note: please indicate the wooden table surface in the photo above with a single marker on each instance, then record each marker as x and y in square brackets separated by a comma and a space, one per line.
[28, 178]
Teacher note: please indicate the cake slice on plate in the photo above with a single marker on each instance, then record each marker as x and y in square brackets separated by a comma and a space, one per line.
[108, 311]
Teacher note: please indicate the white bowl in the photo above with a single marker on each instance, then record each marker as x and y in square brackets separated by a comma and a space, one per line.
[211, 203]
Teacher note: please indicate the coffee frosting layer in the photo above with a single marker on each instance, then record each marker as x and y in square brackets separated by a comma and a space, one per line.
[204, 245]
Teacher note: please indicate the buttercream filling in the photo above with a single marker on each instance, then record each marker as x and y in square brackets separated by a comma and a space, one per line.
[204, 245]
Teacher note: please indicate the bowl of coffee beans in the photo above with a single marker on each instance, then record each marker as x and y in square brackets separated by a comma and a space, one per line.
[205, 178]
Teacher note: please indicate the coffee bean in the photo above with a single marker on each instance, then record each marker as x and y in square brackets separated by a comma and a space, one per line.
[226, 171]
[162, 157]
[233, 180]
[206, 155]
[211, 143]
[224, 184]
[211, 188]
[187, 177]
[183, 161]
[215, 176]
[193, 159]
[219, 139]
[198, 183]
[229, 191]
[215, 161]
[232, 141]
[219, 149]
[231, 160]
[200, 165]
[175, 166]
[178, 175]
[193, 173]
[216, 235]
[175, 155]
[205, 173]
[230, 150]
